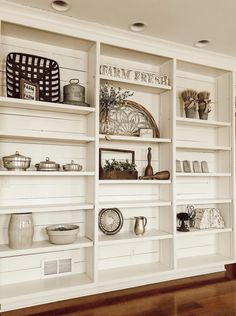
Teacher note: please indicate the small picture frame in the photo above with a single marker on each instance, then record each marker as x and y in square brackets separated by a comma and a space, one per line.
[146, 132]
[178, 166]
[29, 90]
[196, 167]
[204, 166]
[187, 166]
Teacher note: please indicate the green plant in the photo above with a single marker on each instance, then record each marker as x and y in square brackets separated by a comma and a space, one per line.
[110, 96]
[115, 165]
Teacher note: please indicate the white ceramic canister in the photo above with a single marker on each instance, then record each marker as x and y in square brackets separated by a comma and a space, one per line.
[21, 230]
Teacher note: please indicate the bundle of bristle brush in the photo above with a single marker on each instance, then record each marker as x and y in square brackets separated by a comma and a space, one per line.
[190, 98]
[204, 102]
[194, 101]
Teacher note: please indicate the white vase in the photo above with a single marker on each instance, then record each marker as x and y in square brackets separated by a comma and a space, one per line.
[21, 231]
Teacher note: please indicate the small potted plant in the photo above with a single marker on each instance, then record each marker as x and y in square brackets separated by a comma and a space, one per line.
[109, 98]
[190, 102]
[204, 104]
[118, 170]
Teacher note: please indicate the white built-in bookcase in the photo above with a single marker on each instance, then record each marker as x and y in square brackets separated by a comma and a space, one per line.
[64, 132]
[213, 141]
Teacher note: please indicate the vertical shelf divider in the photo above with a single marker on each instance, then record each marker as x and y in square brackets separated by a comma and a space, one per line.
[173, 125]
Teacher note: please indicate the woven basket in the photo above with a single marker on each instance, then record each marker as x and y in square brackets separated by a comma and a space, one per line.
[36, 69]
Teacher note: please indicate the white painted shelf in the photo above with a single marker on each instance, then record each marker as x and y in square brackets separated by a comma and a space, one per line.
[47, 173]
[196, 232]
[189, 263]
[45, 136]
[210, 174]
[132, 272]
[197, 146]
[131, 204]
[201, 123]
[203, 201]
[43, 288]
[44, 106]
[120, 238]
[134, 139]
[43, 247]
[158, 88]
[135, 181]
[45, 208]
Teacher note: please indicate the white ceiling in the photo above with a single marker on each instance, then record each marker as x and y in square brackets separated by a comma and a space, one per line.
[181, 21]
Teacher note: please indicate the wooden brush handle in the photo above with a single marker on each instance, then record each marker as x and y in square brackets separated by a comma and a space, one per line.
[149, 170]
[161, 175]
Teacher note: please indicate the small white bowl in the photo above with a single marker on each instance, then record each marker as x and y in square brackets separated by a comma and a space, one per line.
[62, 234]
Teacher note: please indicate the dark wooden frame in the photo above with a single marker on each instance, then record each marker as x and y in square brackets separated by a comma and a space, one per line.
[116, 175]
[32, 84]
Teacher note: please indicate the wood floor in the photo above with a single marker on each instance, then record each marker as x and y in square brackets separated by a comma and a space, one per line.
[211, 295]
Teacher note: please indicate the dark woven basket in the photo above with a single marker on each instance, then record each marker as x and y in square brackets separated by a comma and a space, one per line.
[43, 71]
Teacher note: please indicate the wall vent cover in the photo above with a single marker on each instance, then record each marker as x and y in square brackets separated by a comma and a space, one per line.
[64, 266]
[50, 267]
[56, 267]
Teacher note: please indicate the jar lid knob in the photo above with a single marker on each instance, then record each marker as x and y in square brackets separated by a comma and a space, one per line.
[74, 81]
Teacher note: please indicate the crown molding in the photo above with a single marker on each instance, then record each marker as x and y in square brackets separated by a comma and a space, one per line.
[58, 23]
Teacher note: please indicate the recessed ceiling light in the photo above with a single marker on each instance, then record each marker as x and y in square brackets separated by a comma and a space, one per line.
[138, 27]
[60, 5]
[202, 43]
